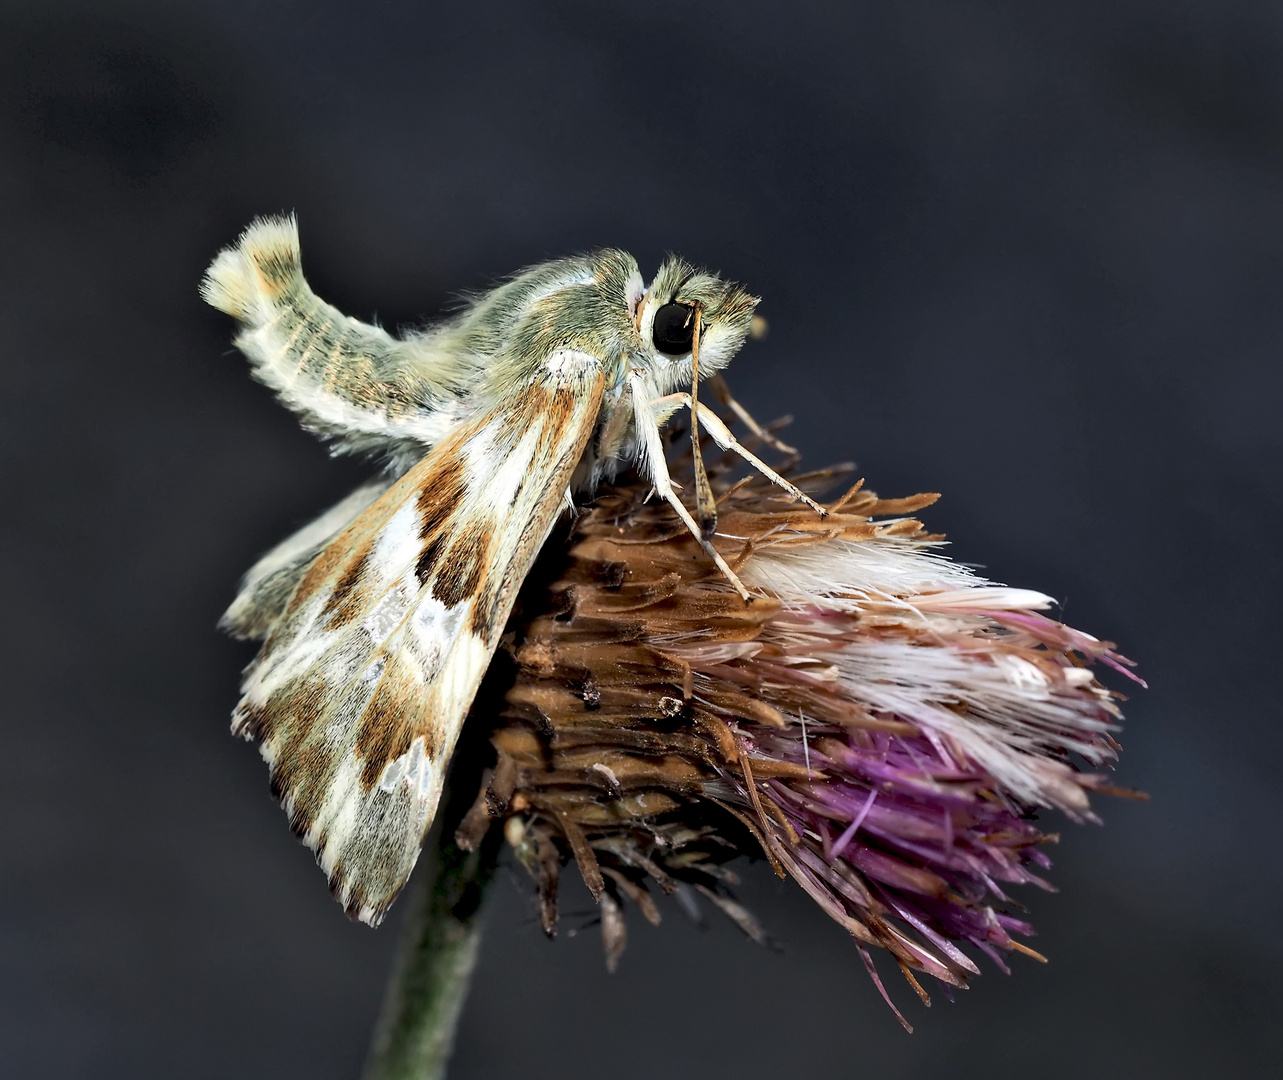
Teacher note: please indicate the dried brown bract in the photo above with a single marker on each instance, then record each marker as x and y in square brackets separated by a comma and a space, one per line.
[878, 722]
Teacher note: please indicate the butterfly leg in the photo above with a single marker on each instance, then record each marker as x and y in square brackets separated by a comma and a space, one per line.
[722, 436]
[656, 468]
[722, 391]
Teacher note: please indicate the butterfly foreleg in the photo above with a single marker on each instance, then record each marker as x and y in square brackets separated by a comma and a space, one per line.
[722, 435]
[717, 383]
[656, 468]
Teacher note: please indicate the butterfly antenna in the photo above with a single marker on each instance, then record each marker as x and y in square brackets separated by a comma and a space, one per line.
[705, 504]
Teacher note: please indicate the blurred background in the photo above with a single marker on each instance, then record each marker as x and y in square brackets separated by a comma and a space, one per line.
[1029, 256]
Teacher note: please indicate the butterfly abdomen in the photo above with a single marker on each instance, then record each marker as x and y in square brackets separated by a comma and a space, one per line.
[346, 378]
[263, 270]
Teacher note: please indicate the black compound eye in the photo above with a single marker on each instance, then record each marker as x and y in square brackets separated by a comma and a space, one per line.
[674, 329]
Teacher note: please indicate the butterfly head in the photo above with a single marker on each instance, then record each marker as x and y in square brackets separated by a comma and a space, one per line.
[681, 300]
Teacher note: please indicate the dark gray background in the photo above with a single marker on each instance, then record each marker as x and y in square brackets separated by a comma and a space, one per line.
[1027, 255]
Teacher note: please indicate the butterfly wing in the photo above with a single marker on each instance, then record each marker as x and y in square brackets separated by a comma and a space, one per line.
[360, 690]
[270, 582]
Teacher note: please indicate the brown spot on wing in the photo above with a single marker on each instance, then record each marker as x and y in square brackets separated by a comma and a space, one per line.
[337, 558]
[346, 600]
[388, 724]
[428, 559]
[559, 411]
[483, 618]
[327, 564]
[463, 568]
[443, 489]
[303, 768]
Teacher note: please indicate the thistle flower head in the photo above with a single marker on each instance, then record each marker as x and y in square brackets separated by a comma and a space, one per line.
[880, 723]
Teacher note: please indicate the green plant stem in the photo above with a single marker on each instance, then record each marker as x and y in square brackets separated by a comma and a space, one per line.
[438, 949]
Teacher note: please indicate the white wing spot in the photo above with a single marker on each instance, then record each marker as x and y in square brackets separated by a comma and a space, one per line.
[565, 361]
[374, 672]
[392, 773]
[435, 628]
[504, 468]
[416, 757]
[398, 545]
[387, 614]
[414, 768]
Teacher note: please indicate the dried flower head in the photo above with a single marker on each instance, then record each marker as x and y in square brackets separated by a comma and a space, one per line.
[880, 723]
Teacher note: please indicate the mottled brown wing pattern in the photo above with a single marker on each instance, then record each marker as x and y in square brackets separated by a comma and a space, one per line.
[360, 690]
[270, 582]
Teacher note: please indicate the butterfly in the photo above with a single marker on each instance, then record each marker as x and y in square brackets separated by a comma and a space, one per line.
[379, 619]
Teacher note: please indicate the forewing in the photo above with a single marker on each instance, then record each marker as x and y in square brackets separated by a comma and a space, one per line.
[360, 690]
